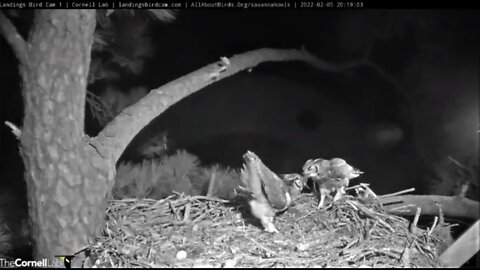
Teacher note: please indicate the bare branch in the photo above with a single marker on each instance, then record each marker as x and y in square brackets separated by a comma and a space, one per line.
[460, 165]
[413, 226]
[118, 133]
[455, 207]
[10, 33]
[397, 193]
[434, 225]
[15, 130]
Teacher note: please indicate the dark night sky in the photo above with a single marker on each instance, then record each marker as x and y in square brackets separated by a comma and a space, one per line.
[422, 50]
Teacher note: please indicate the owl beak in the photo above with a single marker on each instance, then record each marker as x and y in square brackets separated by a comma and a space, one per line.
[356, 172]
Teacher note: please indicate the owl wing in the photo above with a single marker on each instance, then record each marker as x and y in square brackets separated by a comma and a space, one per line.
[275, 189]
[252, 184]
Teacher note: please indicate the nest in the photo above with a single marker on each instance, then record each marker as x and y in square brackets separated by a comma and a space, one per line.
[198, 231]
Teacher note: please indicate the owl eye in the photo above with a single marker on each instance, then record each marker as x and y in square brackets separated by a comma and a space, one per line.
[298, 183]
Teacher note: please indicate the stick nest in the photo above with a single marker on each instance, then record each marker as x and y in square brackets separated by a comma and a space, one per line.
[198, 231]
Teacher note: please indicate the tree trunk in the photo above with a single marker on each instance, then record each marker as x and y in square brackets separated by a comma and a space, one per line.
[67, 180]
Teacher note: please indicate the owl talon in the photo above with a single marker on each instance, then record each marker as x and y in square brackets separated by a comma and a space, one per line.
[268, 226]
[271, 229]
[338, 196]
[322, 202]
[320, 205]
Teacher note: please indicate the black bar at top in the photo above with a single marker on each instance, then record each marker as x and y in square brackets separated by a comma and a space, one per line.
[243, 4]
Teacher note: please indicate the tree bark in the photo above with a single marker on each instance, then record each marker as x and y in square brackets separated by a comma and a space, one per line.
[67, 181]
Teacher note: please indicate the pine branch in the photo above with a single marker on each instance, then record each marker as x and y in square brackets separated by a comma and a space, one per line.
[119, 132]
[10, 33]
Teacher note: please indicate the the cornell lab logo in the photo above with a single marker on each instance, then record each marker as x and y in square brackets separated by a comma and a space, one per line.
[67, 259]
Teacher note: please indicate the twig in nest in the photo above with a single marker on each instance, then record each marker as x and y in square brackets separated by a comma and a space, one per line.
[397, 193]
[384, 224]
[174, 210]
[420, 248]
[261, 246]
[388, 252]
[367, 253]
[199, 197]
[373, 216]
[352, 243]
[369, 232]
[314, 242]
[162, 200]
[368, 191]
[413, 227]
[356, 186]
[200, 217]
[186, 215]
[304, 216]
[399, 209]
[362, 187]
[435, 220]
[352, 205]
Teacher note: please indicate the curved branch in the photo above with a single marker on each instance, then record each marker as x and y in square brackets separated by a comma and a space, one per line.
[10, 33]
[455, 206]
[117, 134]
